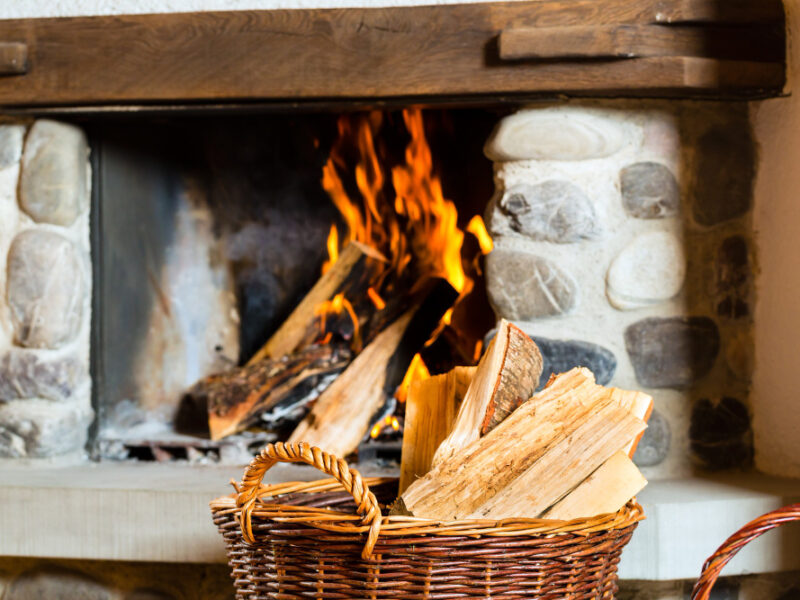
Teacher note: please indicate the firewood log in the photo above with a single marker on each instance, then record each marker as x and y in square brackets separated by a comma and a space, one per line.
[507, 376]
[431, 409]
[605, 491]
[229, 402]
[526, 464]
[341, 415]
[356, 267]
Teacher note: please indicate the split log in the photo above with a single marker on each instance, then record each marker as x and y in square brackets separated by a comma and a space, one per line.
[642, 407]
[229, 402]
[533, 458]
[431, 409]
[341, 415]
[507, 375]
[352, 273]
[615, 482]
[606, 490]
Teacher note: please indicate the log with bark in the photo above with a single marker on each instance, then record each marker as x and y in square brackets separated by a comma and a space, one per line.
[342, 414]
[357, 267]
[526, 464]
[507, 375]
[227, 403]
[431, 409]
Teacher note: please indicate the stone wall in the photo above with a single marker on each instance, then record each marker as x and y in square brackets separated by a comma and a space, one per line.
[46, 280]
[623, 243]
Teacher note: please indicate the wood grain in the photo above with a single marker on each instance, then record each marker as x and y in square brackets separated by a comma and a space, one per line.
[355, 53]
[13, 58]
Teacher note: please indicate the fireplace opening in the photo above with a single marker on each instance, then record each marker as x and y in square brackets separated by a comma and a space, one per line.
[209, 231]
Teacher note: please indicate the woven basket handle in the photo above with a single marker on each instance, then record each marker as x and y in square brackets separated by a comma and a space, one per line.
[729, 548]
[337, 468]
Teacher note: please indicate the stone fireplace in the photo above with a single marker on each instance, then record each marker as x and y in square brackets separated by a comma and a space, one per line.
[153, 234]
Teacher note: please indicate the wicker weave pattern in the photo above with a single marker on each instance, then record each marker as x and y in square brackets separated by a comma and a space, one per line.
[730, 547]
[306, 542]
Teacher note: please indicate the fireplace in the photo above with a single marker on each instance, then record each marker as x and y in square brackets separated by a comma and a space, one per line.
[608, 152]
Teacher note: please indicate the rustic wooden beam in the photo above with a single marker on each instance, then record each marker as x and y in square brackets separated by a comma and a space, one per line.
[417, 52]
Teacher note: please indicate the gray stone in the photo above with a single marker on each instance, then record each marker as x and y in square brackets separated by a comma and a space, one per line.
[649, 270]
[559, 133]
[54, 183]
[674, 352]
[720, 435]
[25, 374]
[654, 445]
[46, 289]
[562, 355]
[523, 286]
[40, 428]
[11, 137]
[649, 191]
[551, 211]
[733, 278]
[56, 583]
[725, 170]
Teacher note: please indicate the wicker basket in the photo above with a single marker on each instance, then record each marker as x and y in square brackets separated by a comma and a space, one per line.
[332, 539]
[713, 566]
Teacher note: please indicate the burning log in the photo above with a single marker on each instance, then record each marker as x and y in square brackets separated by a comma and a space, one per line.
[342, 414]
[507, 376]
[431, 409]
[534, 458]
[227, 403]
[357, 266]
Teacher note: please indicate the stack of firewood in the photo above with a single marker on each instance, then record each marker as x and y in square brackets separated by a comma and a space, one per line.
[480, 444]
[331, 370]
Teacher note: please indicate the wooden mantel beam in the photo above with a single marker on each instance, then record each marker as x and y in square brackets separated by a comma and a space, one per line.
[418, 52]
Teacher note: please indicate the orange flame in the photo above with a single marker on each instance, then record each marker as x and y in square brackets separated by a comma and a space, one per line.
[337, 306]
[423, 224]
[379, 302]
[417, 371]
[333, 249]
[477, 228]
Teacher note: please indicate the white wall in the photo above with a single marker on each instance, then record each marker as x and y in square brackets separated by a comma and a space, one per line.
[776, 387]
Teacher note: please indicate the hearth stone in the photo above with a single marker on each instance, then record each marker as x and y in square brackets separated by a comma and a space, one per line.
[46, 289]
[11, 137]
[551, 211]
[654, 445]
[55, 176]
[56, 583]
[30, 374]
[673, 352]
[524, 286]
[649, 270]
[649, 191]
[720, 434]
[565, 133]
[725, 170]
[37, 428]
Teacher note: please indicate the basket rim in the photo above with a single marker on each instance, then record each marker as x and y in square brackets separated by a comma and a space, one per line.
[394, 525]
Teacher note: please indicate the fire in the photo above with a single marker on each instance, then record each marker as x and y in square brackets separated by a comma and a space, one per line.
[333, 249]
[338, 305]
[421, 224]
[477, 228]
[417, 371]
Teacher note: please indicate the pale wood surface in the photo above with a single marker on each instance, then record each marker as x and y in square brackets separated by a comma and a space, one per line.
[605, 491]
[431, 409]
[341, 415]
[569, 459]
[353, 257]
[460, 485]
[507, 376]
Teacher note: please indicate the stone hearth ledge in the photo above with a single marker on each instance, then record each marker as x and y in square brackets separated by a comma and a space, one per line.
[159, 513]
